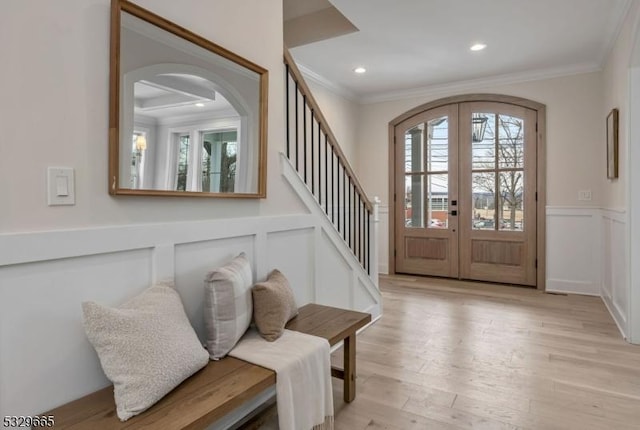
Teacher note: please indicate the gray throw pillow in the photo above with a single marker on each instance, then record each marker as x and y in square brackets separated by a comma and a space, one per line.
[146, 347]
[227, 305]
[273, 305]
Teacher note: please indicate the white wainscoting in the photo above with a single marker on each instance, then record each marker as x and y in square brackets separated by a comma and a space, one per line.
[615, 285]
[45, 358]
[587, 254]
[574, 250]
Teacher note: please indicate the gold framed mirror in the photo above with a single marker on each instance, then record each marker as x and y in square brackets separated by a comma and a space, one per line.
[187, 117]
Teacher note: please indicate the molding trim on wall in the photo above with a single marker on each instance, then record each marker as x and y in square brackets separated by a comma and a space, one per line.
[23, 248]
[111, 264]
[562, 286]
[618, 317]
[614, 32]
[618, 214]
[573, 250]
[320, 80]
[598, 239]
[562, 209]
[297, 183]
[452, 87]
[473, 84]
[615, 287]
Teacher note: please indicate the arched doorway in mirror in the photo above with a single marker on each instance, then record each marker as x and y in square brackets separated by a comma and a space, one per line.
[467, 187]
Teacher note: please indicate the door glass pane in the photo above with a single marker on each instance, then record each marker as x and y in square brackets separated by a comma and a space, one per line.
[511, 199]
[438, 145]
[438, 201]
[483, 201]
[413, 156]
[414, 196]
[510, 142]
[483, 140]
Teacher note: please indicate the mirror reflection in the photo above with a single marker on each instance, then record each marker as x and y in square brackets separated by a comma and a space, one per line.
[189, 118]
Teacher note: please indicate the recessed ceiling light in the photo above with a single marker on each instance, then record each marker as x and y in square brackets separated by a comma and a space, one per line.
[478, 46]
[200, 104]
[359, 70]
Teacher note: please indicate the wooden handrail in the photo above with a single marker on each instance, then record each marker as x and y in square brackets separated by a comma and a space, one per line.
[324, 125]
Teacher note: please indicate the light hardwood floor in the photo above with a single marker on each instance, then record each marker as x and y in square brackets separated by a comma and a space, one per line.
[454, 355]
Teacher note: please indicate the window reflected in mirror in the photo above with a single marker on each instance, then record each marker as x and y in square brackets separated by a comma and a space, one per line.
[138, 147]
[219, 161]
[183, 162]
[191, 115]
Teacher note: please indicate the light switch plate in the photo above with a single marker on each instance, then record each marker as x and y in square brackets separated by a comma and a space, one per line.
[584, 195]
[60, 186]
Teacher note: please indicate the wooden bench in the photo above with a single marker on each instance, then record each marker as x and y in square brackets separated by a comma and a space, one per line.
[221, 386]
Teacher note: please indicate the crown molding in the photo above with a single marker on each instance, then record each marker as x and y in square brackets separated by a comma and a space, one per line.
[314, 77]
[451, 87]
[475, 84]
[614, 30]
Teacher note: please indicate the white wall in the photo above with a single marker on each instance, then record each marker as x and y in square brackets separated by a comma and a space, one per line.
[54, 112]
[574, 135]
[614, 287]
[574, 251]
[343, 117]
[622, 90]
[45, 357]
[621, 281]
[54, 109]
[575, 132]
[616, 95]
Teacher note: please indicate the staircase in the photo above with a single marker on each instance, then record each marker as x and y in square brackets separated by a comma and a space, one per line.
[313, 151]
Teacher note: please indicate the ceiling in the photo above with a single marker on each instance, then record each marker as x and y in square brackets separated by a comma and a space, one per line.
[166, 96]
[422, 45]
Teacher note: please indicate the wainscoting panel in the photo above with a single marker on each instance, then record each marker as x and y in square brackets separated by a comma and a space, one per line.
[292, 252]
[339, 277]
[362, 298]
[615, 285]
[587, 254]
[45, 358]
[574, 253]
[194, 260]
[334, 260]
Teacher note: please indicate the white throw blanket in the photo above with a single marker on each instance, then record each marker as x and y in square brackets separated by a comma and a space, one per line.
[303, 382]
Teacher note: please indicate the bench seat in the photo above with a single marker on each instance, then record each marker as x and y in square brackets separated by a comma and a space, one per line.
[221, 386]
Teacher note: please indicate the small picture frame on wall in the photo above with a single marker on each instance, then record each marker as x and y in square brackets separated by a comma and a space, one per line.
[612, 144]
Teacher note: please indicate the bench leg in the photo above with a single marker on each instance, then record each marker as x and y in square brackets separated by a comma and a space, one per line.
[350, 368]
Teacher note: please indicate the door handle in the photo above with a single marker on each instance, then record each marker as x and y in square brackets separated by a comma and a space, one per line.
[454, 213]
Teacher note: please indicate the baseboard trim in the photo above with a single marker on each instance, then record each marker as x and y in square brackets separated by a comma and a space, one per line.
[565, 286]
[617, 316]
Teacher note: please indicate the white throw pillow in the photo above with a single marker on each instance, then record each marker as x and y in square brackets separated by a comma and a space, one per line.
[146, 347]
[227, 305]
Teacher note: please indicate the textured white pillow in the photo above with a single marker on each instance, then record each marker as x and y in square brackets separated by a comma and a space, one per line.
[227, 305]
[274, 304]
[146, 347]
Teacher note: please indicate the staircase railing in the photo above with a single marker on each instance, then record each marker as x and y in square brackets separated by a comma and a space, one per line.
[314, 151]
